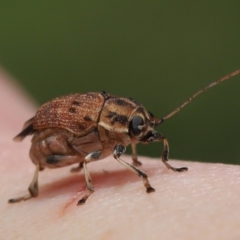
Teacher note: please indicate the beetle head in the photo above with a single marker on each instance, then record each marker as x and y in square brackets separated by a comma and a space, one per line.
[142, 127]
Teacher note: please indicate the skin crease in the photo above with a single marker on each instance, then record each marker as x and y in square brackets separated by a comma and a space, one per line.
[202, 203]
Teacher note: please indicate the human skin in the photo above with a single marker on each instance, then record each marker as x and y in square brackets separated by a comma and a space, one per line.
[202, 203]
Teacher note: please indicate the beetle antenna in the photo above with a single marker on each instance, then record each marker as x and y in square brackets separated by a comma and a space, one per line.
[198, 93]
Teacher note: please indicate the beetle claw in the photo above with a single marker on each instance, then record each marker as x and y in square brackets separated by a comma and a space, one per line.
[150, 189]
[81, 201]
[182, 169]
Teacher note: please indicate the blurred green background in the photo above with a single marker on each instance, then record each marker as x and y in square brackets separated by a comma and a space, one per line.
[157, 52]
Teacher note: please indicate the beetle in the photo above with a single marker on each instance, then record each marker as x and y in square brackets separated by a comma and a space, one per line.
[83, 128]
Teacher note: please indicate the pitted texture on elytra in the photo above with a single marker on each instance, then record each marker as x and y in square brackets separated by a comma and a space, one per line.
[69, 112]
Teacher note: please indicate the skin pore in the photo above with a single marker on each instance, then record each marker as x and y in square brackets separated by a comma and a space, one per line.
[202, 203]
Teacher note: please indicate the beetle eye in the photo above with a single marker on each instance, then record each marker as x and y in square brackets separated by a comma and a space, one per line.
[136, 125]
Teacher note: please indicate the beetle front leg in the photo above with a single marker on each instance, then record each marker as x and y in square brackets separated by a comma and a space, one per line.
[118, 150]
[33, 189]
[134, 155]
[165, 154]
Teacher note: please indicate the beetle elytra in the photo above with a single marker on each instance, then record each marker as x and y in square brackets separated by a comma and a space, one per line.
[82, 128]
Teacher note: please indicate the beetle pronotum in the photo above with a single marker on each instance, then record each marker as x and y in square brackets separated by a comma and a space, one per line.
[82, 128]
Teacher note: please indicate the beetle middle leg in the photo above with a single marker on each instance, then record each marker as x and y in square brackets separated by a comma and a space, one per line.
[93, 156]
[165, 154]
[78, 168]
[89, 183]
[134, 155]
[118, 150]
[33, 189]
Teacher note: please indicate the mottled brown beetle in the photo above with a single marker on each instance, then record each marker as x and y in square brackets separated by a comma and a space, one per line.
[82, 128]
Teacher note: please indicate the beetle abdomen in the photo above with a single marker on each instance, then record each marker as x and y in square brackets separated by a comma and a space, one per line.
[78, 113]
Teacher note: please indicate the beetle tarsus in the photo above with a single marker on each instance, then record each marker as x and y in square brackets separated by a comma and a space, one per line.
[136, 163]
[182, 169]
[33, 189]
[85, 198]
[19, 199]
[165, 154]
[150, 189]
[15, 200]
[82, 201]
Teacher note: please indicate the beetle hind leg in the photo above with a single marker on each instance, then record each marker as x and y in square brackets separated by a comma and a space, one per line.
[165, 154]
[33, 189]
[119, 149]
